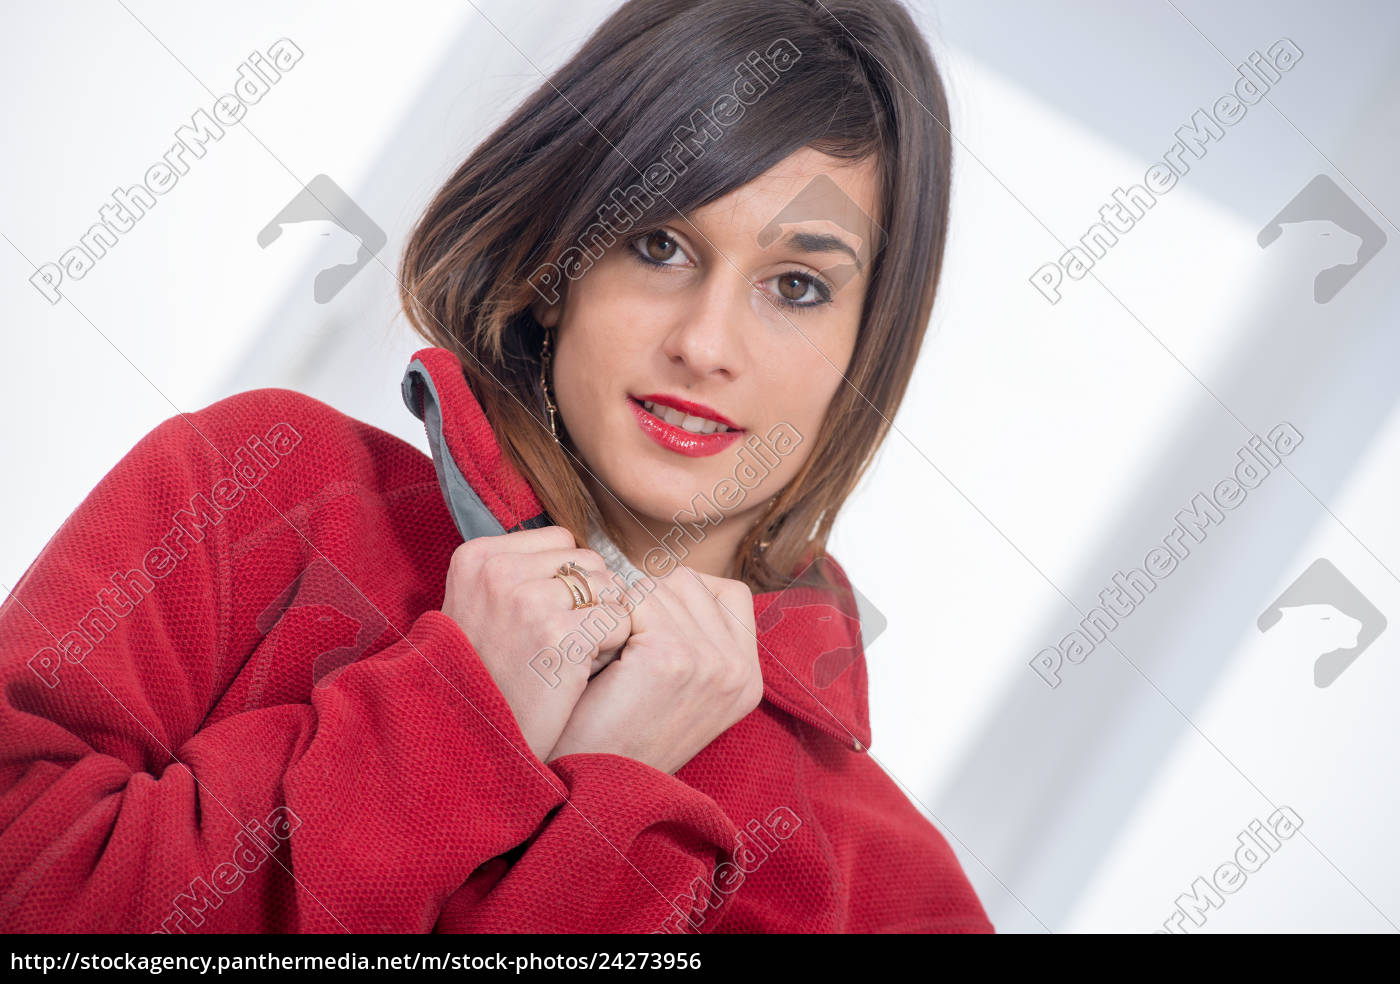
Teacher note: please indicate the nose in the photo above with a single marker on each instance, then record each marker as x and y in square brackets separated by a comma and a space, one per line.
[708, 335]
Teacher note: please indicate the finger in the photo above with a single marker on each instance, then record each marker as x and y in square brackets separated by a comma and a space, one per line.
[530, 541]
[545, 562]
[658, 609]
[613, 590]
[580, 587]
[585, 572]
[691, 609]
[605, 624]
[723, 610]
[735, 601]
[601, 660]
[695, 591]
[571, 642]
[540, 564]
[595, 630]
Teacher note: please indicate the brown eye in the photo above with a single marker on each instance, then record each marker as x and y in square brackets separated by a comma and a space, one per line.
[801, 290]
[660, 247]
[793, 288]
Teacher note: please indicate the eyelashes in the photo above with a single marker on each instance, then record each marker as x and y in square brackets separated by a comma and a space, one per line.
[822, 288]
[810, 282]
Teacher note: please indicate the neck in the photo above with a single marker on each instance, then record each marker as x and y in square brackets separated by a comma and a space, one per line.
[709, 550]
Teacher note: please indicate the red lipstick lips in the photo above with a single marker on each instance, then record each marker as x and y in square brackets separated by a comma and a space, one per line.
[678, 439]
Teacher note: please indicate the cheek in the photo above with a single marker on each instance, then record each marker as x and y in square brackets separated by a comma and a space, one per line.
[595, 345]
[813, 346]
[799, 408]
[604, 322]
[576, 382]
[802, 372]
[802, 383]
[577, 345]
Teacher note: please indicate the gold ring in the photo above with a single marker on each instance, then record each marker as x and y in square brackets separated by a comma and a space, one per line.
[577, 582]
[574, 591]
[582, 576]
[575, 576]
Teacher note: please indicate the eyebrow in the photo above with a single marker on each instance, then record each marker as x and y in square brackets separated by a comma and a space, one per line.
[821, 242]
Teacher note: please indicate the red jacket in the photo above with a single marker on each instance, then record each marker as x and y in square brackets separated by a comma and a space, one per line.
[230, 703]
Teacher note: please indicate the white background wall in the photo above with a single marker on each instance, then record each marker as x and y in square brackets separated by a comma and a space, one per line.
[1041, 449]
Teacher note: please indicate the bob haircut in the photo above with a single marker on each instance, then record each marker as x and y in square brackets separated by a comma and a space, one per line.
[862, 83]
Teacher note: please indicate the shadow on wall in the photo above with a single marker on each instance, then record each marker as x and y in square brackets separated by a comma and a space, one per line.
[1056, 773]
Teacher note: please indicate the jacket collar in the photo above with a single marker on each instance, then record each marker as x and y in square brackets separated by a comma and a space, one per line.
[809, 643]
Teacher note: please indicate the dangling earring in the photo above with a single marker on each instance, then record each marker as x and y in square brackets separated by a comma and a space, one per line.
[545, 358]
[764, 543]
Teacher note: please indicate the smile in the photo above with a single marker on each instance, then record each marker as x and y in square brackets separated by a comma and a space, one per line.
[683, 427]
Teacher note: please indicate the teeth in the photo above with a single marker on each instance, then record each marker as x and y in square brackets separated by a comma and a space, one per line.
[696, 425]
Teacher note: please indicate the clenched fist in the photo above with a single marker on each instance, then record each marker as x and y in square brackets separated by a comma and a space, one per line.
[503, 593]
[688, 671]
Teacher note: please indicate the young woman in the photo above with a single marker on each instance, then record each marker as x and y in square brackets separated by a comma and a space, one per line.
[589, 667]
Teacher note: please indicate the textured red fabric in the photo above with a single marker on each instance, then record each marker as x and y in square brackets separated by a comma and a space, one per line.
[230, 704]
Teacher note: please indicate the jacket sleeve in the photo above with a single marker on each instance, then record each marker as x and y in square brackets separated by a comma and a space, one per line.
[632, 850]
[122, 810]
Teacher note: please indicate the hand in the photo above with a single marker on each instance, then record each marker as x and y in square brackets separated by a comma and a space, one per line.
[687, 673]
[503, 593]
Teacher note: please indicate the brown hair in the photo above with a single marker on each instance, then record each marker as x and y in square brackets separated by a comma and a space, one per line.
[864, 84]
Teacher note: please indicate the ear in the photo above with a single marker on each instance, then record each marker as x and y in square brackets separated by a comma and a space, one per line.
[545, 313]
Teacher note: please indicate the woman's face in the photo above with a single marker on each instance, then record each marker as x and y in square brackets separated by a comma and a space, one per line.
[747, 312]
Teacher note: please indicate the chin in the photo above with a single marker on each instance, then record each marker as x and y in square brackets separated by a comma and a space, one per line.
[664, 504]
[658, 505]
